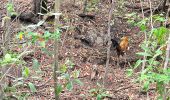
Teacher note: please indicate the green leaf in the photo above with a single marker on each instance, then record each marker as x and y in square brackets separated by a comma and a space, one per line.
[104, 95]
[47, 35]
[158, 52]
[78, 82]
[8, 57]
[143, 27]
[26, 72]
[58, 89]
[32, 87]
[145, 48]
[57, 34]
[63, 68]
[99, 97]
[146, 85]
[93, 92]
[66, 76]
[69, 63]
[130, 14]
[137, 63]
[36, 64]
[69, 86]
[76, 74]
[10, 7]
[129, 72]
[42, 44]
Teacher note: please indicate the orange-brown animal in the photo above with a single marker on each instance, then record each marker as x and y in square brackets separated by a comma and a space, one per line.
[121, 46]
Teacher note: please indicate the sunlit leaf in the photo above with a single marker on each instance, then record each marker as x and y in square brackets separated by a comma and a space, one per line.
[26, 71]
[42, 44]
[8, 57]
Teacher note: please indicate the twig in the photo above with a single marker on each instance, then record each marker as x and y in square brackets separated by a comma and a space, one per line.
[109, 43]
[56, 50]
[167, 54]
[123, 88]
[144, 58]
[167, 14]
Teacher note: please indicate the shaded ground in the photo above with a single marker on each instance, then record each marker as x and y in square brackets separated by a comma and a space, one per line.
[86, 56]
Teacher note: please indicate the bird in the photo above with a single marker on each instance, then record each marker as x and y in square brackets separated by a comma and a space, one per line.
[120, 46]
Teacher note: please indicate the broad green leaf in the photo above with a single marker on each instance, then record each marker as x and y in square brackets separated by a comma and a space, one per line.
[158, 52]
[99, 97]
[8, 57]
[146, 85]
[143, 27]
[78, 82]
[26, 72]
[137, 63]
[58, 89]
[32, 87]
[10, 7]
[42, 44]
[69, 86]
[47, 35]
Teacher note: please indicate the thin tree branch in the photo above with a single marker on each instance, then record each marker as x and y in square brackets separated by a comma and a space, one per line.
[55, 74]
[109, 43]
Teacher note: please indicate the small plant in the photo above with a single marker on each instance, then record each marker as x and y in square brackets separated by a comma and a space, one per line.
[153, 72]
[10, 90]
[92, 5]
[98, 92]
[68, 77]
[10, 9]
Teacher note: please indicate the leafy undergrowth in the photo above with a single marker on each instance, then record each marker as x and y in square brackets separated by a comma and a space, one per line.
[84, 59]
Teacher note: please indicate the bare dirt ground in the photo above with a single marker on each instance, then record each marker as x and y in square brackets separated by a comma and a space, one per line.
[85, 56]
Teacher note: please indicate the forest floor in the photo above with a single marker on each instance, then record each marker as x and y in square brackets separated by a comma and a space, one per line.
[87, 57]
